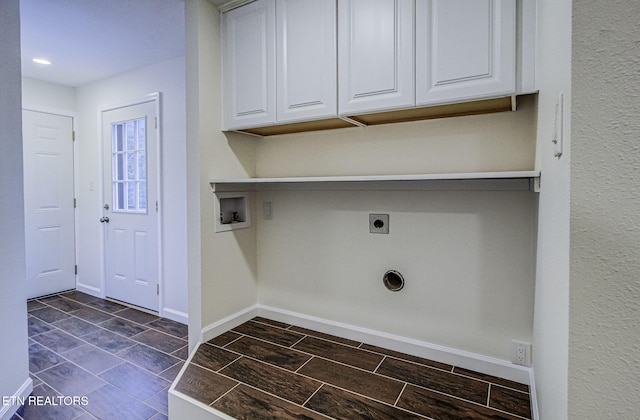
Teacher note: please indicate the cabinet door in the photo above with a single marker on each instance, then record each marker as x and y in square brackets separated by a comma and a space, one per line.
[375, 55]
[306, 59]
[465, 50]
[249, 65]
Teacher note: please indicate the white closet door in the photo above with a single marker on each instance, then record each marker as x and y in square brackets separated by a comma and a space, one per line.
[465, 50]
[306, 59]
[375, 55]
[249, 65]
[48, 203]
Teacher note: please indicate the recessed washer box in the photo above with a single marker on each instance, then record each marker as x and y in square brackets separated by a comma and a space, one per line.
[378, 223]
[232, 211]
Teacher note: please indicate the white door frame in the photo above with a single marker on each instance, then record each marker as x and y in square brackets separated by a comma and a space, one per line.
[74, 118]
[152, 97]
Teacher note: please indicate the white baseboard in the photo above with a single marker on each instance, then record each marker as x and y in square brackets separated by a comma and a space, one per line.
[533, 397]
[90, 290]
[452, 356]
[174, 315]
[7, 411]
[169, 313]
[225, 324]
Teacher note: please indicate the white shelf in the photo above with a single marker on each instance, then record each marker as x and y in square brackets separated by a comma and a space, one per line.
[510, 180]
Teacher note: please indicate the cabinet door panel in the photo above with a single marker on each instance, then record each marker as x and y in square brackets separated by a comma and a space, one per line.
[249, 65]
[306, 59]
[375, 55]
[465, 49]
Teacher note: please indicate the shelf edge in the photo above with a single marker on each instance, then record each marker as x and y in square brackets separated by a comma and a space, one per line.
[352, 181]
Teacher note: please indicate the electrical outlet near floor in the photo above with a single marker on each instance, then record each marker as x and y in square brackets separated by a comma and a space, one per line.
[521, 353]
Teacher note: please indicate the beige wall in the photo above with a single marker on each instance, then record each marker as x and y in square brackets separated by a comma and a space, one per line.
[221, 267]
[604, 338]
[467, 258]
[496, 142]
[472, 251]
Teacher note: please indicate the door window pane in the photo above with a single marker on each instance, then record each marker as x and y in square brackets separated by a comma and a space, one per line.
[131, 135]
[129, 166]
[142, 194]
[119, 136]
[142, 165]
[118, 199]
[119, 165]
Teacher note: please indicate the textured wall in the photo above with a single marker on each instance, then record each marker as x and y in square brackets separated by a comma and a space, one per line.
[604, 362]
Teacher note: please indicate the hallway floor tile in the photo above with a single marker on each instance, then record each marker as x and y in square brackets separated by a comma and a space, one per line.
[117, 362]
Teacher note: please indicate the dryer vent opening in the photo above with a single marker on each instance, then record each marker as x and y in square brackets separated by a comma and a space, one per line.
[393, 280]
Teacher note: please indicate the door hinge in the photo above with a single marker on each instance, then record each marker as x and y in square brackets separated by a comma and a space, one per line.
[158, 289]
[73, 136]
[156, 120]
[156, 206]
[76, 269]
[75, 203]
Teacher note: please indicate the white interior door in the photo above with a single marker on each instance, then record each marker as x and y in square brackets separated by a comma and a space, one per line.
[48, 203]
[130, 218]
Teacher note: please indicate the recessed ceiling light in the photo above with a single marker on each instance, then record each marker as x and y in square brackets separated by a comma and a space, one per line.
[41, 61]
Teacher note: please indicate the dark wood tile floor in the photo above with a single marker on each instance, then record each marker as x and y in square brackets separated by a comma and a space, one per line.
[269, 370]
[121, 359]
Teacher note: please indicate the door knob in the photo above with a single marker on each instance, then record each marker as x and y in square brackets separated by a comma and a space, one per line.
[104, 219]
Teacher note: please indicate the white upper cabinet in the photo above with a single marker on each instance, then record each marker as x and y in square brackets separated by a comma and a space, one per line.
[306, 59]
[279, 62]
[376, 55]
[249, 65]
[296, 65]
[465, 50]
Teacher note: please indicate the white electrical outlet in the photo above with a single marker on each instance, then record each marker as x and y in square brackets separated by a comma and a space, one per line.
[521, 353]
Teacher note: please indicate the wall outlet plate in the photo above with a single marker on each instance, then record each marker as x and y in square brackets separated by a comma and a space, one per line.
[521, 353]
[378, 223]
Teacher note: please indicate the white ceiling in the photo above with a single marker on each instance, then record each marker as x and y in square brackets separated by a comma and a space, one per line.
[88, 40]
